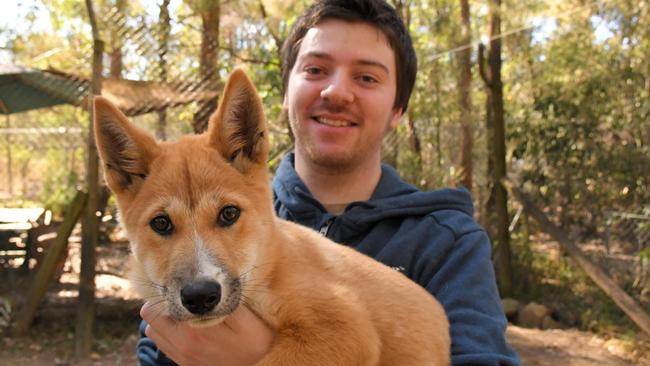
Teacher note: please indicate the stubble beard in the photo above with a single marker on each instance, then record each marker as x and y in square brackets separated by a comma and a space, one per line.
[346, 159]
[340, 162]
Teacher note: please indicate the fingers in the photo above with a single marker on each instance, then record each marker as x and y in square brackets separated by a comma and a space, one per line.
[158, 325]
[153, 314]
[157, 319]
[163, 344]
[242, 339]
[169, 336]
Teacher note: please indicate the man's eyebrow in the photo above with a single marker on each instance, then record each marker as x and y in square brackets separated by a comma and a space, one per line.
[328, 57]
[317, 54]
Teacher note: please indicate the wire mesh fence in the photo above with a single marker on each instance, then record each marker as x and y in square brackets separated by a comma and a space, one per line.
[165, 70]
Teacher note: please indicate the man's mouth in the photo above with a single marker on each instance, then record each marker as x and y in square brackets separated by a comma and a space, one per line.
[333, 122]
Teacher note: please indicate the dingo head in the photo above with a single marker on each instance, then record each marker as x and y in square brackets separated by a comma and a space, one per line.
[198, 210]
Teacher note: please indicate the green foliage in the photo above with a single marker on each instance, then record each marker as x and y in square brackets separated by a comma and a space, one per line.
[581, 141]
[559, 283]
[60, 185]
[410, 164]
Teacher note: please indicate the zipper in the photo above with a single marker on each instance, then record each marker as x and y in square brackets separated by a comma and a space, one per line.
[325, 228]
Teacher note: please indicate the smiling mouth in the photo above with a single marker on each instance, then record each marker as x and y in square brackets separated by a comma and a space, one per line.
[333, 122]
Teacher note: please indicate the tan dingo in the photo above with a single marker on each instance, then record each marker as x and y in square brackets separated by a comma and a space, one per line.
[199, 215]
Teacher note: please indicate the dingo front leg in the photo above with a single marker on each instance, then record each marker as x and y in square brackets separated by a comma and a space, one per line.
[335, 331]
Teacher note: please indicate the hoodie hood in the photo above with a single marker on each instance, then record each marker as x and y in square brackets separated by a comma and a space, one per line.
[392, 198]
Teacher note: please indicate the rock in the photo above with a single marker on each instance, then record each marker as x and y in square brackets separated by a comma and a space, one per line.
[532, 315]
[549, 323]
[511, 308]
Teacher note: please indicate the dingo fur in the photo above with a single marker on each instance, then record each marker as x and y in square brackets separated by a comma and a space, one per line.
[204, 234]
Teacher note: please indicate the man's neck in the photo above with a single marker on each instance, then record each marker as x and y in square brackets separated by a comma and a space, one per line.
[339, 186]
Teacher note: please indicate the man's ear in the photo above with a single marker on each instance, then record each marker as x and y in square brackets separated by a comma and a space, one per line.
[126, 150]
[238, 128]
[396, 117]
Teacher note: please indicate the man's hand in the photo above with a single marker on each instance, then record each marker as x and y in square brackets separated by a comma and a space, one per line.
[242, 339]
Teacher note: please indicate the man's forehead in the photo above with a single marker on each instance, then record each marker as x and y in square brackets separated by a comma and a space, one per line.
[333, 39]
[338, 29]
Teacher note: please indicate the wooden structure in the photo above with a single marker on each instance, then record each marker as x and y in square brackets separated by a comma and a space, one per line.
[16, 223]
[48, 267]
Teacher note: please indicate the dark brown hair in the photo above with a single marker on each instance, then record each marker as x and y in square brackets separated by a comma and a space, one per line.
[376, 13]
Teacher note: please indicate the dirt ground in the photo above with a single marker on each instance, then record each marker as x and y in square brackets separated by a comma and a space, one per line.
[51, 338]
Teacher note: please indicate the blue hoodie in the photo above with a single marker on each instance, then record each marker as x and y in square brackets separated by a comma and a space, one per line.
[431, 237]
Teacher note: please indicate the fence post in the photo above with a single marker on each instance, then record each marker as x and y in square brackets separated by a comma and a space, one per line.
[50, 259]
[86, 313]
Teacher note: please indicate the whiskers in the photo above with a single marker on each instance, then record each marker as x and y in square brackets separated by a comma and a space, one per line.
[251, 285]
[146, 283]
[151, 292]
[158, 307]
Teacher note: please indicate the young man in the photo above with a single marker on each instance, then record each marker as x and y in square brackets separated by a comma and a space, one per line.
[348, 71]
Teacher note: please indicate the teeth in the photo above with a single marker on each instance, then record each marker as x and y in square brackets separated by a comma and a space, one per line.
[333, 122]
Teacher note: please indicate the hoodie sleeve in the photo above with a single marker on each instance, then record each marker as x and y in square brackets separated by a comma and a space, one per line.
[463, 281]
[148, 353]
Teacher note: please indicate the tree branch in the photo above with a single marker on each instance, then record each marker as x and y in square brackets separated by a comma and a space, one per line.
[481, 65]
[234, 54]
[278, 41]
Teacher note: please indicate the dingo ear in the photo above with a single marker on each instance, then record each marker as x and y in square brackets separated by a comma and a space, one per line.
[125, 149]
[238, 128]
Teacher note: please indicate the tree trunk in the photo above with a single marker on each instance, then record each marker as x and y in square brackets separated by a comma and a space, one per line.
[439, 118]
[208, 65]
[495, 92]
[465, 100]
[116, 57]
[489, 211]
[414, 139]
[116, 65]
[90, 223]
[163, 47]
[504, 268]
[10, 171]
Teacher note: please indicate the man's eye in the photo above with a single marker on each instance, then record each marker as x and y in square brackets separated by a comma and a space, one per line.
[313, 70]
[162, 225]
[368, 79]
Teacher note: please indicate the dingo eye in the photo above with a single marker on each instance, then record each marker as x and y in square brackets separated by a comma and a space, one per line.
[228, 215]
[162, 225]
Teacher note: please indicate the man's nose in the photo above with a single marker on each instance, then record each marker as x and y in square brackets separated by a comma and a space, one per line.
[338, 90]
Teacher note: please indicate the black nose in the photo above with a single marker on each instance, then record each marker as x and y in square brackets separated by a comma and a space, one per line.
[201, 296]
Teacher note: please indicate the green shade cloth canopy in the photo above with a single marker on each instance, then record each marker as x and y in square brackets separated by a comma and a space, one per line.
[23, 89]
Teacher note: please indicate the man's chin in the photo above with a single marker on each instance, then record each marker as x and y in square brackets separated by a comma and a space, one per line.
[333, 159]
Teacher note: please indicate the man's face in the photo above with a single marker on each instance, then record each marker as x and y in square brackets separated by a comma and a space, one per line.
[340, 94]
